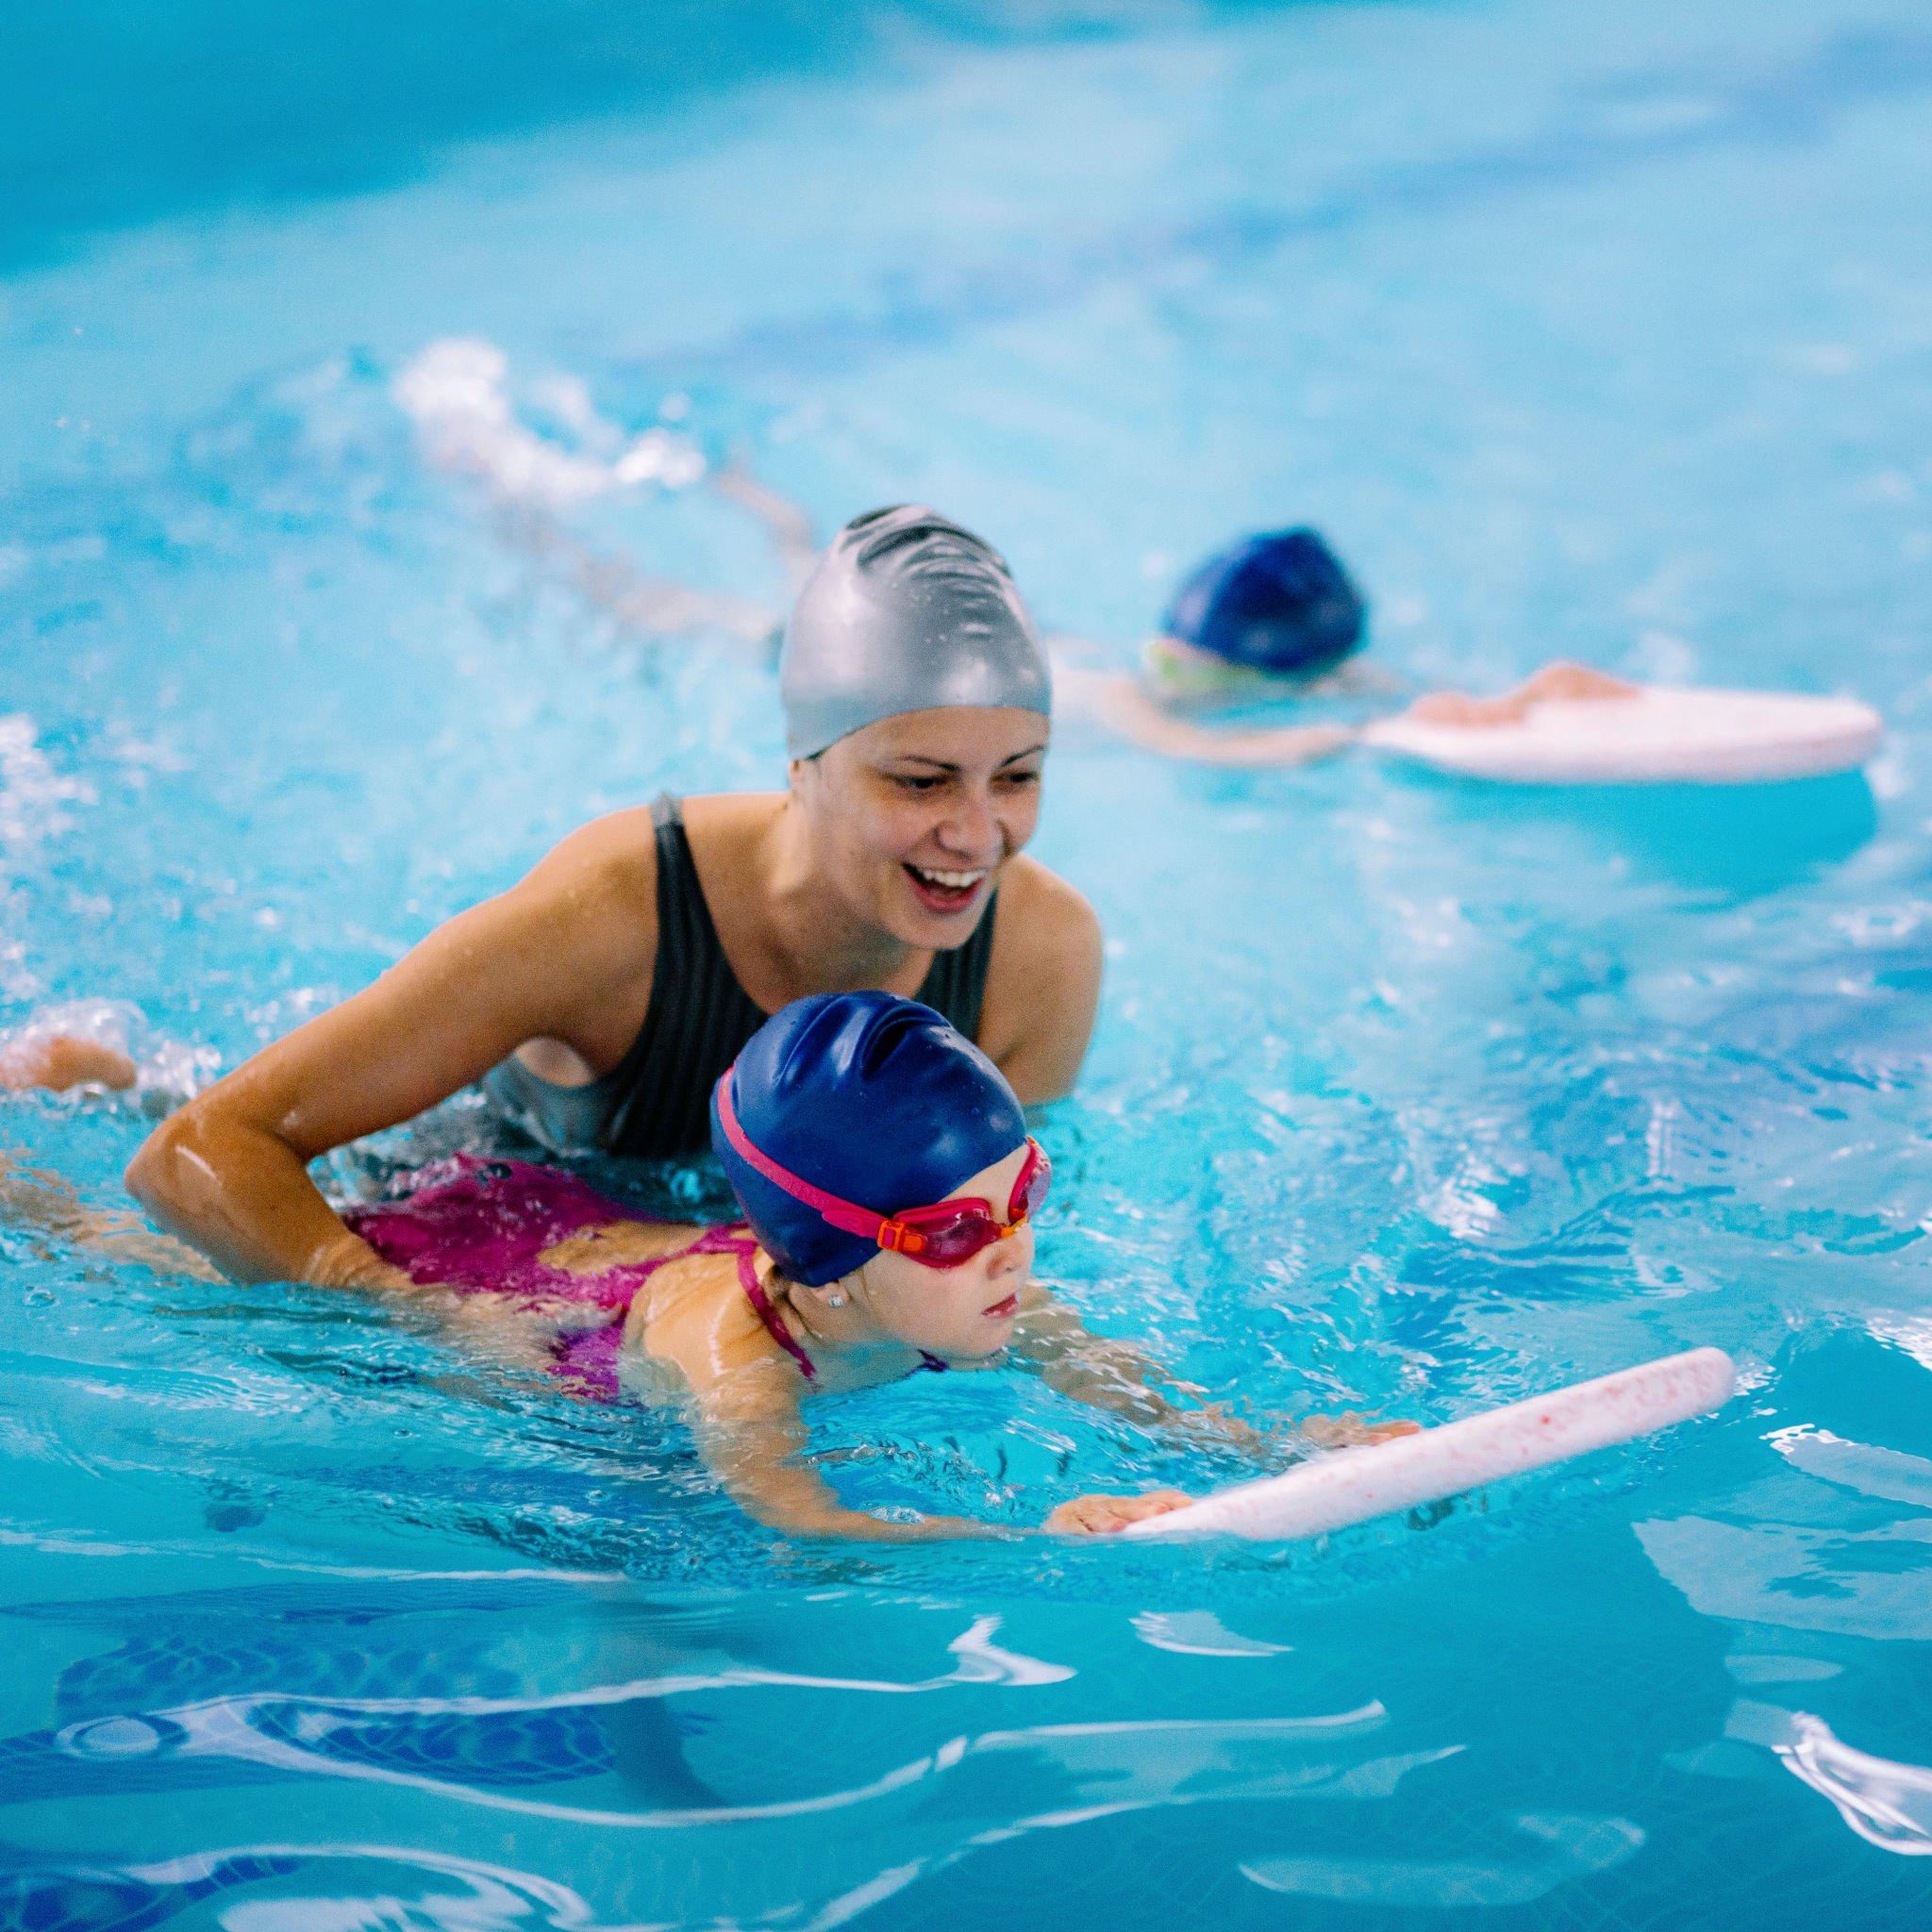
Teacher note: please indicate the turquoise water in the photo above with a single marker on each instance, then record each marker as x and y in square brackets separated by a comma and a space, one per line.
[1594, 332]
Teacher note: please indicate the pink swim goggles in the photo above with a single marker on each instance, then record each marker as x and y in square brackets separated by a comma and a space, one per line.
[947, 1235]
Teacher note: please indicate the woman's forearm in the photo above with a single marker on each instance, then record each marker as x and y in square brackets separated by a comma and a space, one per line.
[242, 1197]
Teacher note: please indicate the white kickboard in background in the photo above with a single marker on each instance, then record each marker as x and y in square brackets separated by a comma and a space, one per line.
[1662, 736]
[1347, 1486]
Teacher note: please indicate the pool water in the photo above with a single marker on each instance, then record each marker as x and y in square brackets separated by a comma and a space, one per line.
[1582, 331]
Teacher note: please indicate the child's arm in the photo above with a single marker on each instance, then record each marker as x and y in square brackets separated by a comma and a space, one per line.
[752, 1438]
[1115, 1375]
[33, 1198]
[1094, 1368]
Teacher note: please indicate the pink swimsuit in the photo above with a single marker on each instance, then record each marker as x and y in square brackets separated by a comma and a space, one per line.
[476, 1225]
[482, 1225]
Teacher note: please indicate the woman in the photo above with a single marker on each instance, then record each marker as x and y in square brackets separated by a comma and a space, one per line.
[602, 997]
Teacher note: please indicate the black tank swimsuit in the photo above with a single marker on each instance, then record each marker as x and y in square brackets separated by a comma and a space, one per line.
[656, 1100]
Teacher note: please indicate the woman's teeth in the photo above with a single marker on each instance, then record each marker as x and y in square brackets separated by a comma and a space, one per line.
[1009, 1307]
[946, 892]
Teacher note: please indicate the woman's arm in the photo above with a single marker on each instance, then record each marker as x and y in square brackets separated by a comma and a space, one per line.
[229, 1173]
[506, 1328]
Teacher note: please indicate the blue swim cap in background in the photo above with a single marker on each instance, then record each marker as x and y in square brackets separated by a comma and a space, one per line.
[1280, 603]
[868, 1096]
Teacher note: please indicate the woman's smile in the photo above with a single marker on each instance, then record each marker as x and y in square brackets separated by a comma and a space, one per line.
[947, 891]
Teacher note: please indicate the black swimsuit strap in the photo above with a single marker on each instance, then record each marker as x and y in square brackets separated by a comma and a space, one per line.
[700, 1017]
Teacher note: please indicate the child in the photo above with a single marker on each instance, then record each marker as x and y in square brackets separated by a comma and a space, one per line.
[838, 1100]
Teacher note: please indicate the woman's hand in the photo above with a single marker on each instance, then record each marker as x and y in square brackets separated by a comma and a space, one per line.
[1103, 1515]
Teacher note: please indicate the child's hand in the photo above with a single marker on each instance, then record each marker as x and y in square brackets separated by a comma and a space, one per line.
[1352, 1430]
[1103, 1515]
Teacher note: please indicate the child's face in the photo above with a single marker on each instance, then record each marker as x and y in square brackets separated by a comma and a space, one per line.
[963, 1311]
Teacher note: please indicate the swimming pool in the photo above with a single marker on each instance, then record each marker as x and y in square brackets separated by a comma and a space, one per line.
[1601, 332]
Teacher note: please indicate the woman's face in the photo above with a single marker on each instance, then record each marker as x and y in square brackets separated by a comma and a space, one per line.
[964, 1311]
[913, 817]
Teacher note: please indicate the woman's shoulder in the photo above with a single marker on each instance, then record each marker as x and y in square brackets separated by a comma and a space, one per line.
[597, 892]
[1045, 897]
[604, 876]
[616, 849]
[1043, 981]
[1043, 927]
[723, 825]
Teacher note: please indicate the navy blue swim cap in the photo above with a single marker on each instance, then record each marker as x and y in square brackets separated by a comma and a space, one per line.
[1280, 603]
[867, 1096]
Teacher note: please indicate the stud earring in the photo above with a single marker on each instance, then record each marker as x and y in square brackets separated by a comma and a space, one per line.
[835, 1300]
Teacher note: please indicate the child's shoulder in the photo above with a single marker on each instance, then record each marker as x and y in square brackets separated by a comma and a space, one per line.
[698, 1318]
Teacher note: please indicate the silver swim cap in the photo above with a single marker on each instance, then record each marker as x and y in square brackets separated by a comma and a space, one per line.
[905, 612]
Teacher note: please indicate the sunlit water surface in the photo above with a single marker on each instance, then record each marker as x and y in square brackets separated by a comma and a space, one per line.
[1600, 332]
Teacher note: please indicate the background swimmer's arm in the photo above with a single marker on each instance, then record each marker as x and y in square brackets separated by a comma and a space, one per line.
[1123, 704]
[229, 1172]
[1558, 682]
[60, 1062]
[1043, 983]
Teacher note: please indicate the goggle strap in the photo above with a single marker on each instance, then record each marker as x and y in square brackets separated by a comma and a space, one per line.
[847, 1216]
